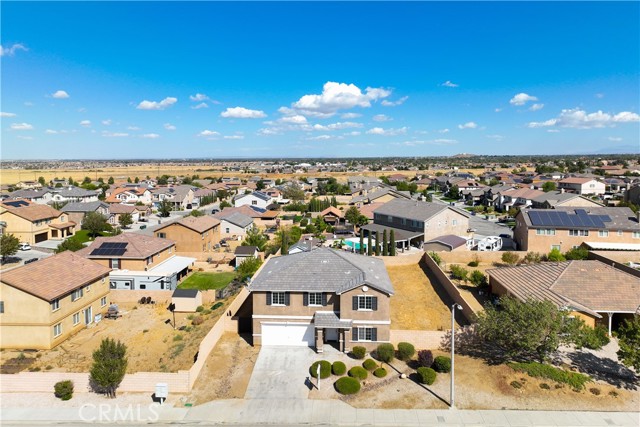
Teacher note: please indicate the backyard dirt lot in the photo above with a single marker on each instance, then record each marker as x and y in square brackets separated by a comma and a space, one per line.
[227, 371]
[419, 303]
[152, 345]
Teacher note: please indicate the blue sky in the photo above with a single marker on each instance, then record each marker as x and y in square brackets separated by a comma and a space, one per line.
[267, 79]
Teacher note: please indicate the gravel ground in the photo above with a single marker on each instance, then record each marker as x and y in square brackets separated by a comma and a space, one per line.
[48, 400]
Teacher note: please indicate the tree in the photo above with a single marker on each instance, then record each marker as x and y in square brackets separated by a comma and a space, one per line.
[255, 238]
[71, 244]
[248, 267]
[478, 278]
[129, 180]
[454, 192]
[110, 181]
[224, 204]
[284, 243]
[385, 251]
[70, 181]
[42, 181]
[292, 192]
[361, 250]
[196, 213]
[629, 341]
[549, 186]
[369, 248]
[109, 367]
[9, 245]
[125, 220]
[577, 253]
[95, 223]
[355, 218]
[555, 256]
[392, 243]
[165, 208]
[377, 248]
[136, 180]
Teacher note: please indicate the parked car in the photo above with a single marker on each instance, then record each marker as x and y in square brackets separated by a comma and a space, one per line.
[25, 247]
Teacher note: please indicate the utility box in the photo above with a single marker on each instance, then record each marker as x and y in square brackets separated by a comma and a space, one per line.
[162, 391]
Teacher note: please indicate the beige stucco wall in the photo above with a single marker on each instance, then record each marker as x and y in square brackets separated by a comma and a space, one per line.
[26, 230]
[140, 264]
[188, 240]
[442, 224]
[543, 243]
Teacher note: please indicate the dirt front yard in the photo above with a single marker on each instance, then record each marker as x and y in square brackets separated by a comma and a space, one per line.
[152, 345]
[419, 303]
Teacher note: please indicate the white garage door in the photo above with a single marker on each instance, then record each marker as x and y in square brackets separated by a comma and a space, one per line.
[288, 334]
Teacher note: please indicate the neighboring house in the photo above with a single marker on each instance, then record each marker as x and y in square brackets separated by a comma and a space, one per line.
[129, 195]
[77, 211]
[563, 228]
[367, 210]
[585, 186]
[192, 234]
[591, 290]
[233, 224]
[180, 197]
[139, 261]
[244, 252]
[332, 215]
[445, 243]
[633, 194]
[74, 194]
[29, 185]
[415, 222]
[201, 193]
[257, 199]
[41, 196]
[306, 244]
[116, 210]
[322, 296]
[33, 223]
[560, 198]
[516, 198]
[379, 195]
[45, 302]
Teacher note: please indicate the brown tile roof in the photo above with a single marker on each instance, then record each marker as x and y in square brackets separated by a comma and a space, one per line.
[139, 246]
[63, 225]
[34, 212]
[589, 286]
[333, 211]
[119, 208]
[367, 210]
[244, 210]
[525, 193]
[575, 180]
[56, 276]
[198, 224]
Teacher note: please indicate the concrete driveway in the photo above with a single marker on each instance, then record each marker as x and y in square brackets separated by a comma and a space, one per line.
[280, 373]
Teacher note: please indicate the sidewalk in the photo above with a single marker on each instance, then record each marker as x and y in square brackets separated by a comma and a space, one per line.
[312, 412]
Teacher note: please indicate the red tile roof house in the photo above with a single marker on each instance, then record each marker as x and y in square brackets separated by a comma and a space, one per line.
[582, 186]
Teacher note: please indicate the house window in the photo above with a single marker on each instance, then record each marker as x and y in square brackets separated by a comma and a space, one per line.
[315, 298]
[545, 232]
[57, 330]
[578, 233]
[556, 247]
[112, 285]
[76, 295]
[115, 263]
[103, 301]
[162, 235]
[365, 334]
[454, 222]
[226, 230]
[635, 235]
[62, 218]
[620, 233]
[1, 307]
[76, 318]
[603, 233]
[254, 202]
[55, 305]
[404, 221]
[365, 302]
[278, 298]
[389, 218]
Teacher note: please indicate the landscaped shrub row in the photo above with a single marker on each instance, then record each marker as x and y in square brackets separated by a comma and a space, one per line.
[358, 372]
[442, 364]
[406, 351]
[380, 373]
[359, 352]
[369, 364]
[385, 353]
[425, 358]
[427, 375]
[63, 389]
[338, 368]
[348, 385]
[325, 369]
[574, 379]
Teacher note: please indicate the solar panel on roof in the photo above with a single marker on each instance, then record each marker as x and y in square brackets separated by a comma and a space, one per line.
[16, 203]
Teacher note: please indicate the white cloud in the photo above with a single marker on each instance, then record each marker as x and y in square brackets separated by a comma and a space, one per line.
[60, 94]
[536, 107]
[580, 119]
[108, 134]
[468, 125]
[209, 133]
[334, 97]
[151, 135]
[614, 139]
[381, 118]
[394, 103]
[21, 126]
[337, 126]
[297, 119]
[354, 133]
[107, 122]
[28, 104]
[169, 126]
[28, 138]
[445, 130]
[10, 51]
[599, 95]
[154, 105]
[521, 99]
[234, 137]
[387, 132]
[553, 130]
[496, 137]
[50, 132]
[497, 110]
[269, 131]
[448, 83]
[320, 138]
[7, 114]
[198, 97]
[85, 123]
[199, 106]
[242, 113]
[133, 128]
[347, 116]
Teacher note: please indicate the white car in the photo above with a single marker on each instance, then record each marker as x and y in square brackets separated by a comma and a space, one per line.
[24, 247]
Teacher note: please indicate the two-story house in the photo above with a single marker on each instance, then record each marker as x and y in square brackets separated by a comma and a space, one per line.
[553, 199]
[77, 211]
[516, 198]
[584, 186]
[192, 234]
[180, 196]
[45, 302]
[34, 223]
[256, 199]
[233, 223]
[321, 297]
[563, 228]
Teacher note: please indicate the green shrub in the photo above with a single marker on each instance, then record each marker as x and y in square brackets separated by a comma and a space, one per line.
[458, 272]
[478, 278]
[385, 352]
[347, 385]
[510, 258]
[199, 309]
[63, 390]
[217, 305]
[380, 373]
[540, 370]
[473, 264]
[325, 369]
[425, 358]
[359, 352]
[578, 253]
[595, 391]
[516, 384]
[177, 337]
[532, 258]
[545, 386]
[426, 375]
[338, 368]
[358, 372]
[406, 351]
[442, 364]
[369, 364]
[555, 256]
[435, 257]
[593, 338]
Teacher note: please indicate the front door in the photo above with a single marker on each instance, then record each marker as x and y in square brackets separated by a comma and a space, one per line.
[88, 317]
[331, 334]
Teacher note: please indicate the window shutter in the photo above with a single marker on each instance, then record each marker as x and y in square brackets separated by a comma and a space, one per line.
[355, 302]
[324, 299]
[354, 334]
[268, 298]
[374, 303]
[287, 298]
[305, 299]
[374, 334]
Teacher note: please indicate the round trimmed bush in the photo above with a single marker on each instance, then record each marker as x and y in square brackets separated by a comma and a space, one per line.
[406, 351]
[442, 364]
[369, 364]
[358, 372]
[63, 389]
[338, 368]
[380, 373]
[385, 353]
[347, 385]
[359, 352]
[427, 375]
[425, 358]
[325, 369]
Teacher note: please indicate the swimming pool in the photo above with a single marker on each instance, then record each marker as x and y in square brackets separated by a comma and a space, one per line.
[354, 242]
